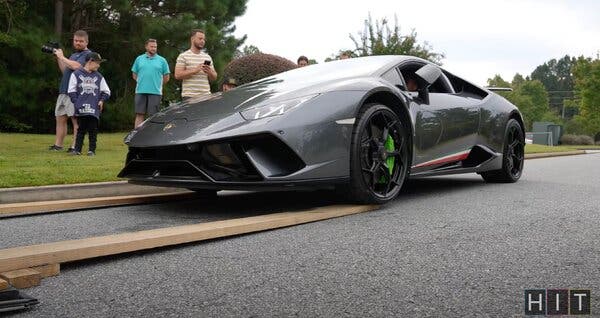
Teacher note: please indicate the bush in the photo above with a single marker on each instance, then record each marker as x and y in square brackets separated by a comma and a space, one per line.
[576, 140]
[253, 67]
[10, 124]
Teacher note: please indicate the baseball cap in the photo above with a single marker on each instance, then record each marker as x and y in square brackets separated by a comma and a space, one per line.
[94, 57]
[230, 81]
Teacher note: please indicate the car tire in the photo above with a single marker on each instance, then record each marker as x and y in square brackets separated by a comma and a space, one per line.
[513, 156]
[379, 155]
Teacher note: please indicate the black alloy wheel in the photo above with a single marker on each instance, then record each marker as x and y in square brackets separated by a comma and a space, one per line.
[513, 157]
[379, 158]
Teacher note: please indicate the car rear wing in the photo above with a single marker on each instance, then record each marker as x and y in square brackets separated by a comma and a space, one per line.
[498, 89]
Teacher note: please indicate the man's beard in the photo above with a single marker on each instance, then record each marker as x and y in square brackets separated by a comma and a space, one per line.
[198, 46]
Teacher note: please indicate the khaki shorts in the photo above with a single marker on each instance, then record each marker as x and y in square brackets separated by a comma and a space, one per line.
[64, 106]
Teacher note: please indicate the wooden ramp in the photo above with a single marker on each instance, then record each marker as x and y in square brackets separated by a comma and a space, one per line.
[18, 258]
[17, 209]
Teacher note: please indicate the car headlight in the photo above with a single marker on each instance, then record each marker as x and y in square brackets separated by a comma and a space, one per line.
[275, 109]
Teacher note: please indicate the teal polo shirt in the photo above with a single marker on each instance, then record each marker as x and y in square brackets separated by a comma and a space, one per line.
[150, 71]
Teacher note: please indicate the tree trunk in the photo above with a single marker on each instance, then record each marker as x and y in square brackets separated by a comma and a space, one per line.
[58, 17]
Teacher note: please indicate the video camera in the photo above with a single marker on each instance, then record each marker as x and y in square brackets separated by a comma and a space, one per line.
[50, 46]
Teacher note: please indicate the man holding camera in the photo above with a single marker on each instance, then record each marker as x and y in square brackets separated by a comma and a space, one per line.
[195, 68]
[64, 107]
[151, 72]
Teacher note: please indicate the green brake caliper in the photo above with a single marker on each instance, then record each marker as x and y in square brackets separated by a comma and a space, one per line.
[389, 146]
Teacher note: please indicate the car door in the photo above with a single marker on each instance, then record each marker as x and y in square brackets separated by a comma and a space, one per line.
[446, 125]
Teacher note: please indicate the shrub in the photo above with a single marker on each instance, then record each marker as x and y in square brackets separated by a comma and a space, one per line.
[576, 140]
[253, 67]
[9, 123]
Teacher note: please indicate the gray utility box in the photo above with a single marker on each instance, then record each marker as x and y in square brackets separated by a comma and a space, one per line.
[546, 133]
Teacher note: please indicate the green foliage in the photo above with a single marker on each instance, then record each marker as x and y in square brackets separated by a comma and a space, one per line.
[378, 38]
[247, 50]
[529, 95]
[497, 81]
[576, 140]
[587, 84]
[557, 77]
[118, 30]
[533, 90]
[256, 66]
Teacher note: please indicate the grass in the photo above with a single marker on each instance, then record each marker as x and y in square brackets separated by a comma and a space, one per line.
[26, 161]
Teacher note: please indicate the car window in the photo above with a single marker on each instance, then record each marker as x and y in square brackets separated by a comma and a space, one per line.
[393, 77]
[441, 85]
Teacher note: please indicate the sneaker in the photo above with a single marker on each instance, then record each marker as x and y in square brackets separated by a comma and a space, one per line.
[71, 149]
[75, 153]
[55, 148]
[91, 153]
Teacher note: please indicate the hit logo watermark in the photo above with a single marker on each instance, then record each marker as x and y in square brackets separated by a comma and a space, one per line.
[558, 301]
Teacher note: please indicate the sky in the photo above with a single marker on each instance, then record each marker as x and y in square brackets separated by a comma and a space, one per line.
[479, 38]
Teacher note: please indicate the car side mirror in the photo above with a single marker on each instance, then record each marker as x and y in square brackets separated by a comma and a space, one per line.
[427, 75]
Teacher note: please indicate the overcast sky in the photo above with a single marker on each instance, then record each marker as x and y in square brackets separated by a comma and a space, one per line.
[479, 38]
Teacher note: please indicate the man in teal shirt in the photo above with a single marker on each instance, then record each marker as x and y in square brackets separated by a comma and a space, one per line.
[151, 72]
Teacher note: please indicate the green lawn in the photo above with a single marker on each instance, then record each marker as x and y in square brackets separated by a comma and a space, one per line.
[26, 161]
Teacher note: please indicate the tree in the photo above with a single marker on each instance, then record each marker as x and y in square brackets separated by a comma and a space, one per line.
[557, 78]
[536, 109]
[379, 39]
[247, 50]
[586, 73]
[118, 30]
[529, 96]
[497, 81]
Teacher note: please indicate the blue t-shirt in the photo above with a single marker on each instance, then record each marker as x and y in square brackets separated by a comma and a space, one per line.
[79, 57]
[150, 72]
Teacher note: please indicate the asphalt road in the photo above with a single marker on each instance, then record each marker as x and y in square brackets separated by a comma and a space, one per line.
[447, 247]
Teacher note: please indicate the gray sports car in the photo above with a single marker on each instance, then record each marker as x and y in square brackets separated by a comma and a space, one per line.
[361, 125]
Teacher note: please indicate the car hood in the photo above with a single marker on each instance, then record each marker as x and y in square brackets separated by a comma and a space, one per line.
[331, 76]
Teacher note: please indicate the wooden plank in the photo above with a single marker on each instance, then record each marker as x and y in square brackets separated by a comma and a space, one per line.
[12, 209]
[66, 251]
[3, 284]
[48, 270]
[22, 278]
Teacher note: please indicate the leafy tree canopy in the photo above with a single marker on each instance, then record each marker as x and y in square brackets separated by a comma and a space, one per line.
[380, 38]
[118, 30]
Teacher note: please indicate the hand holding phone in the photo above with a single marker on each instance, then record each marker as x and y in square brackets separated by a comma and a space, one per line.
[207, 63]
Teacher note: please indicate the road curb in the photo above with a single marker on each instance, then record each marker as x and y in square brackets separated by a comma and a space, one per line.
[554, 154]
[122, 188]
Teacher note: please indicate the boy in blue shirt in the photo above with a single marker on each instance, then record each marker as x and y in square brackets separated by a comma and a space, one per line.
[88, 92]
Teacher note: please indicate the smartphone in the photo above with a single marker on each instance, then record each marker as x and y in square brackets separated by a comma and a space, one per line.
[207, 62]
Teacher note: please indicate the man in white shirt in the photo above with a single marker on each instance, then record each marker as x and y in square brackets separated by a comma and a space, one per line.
[195, 68]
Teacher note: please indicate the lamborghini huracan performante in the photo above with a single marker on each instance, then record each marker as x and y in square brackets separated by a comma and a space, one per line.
[361, 125]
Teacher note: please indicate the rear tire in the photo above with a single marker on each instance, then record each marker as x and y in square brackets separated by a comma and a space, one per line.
[379, 155]
[512, 158]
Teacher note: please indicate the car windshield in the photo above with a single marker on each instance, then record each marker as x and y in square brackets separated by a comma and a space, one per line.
[355, 67]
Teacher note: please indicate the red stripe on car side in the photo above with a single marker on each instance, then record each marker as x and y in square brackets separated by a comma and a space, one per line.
[455, 157]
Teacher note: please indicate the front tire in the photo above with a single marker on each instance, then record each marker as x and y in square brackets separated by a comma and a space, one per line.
[513, 156]
[379, 155]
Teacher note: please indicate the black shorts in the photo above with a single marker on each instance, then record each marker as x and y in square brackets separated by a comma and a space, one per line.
[147, 103]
